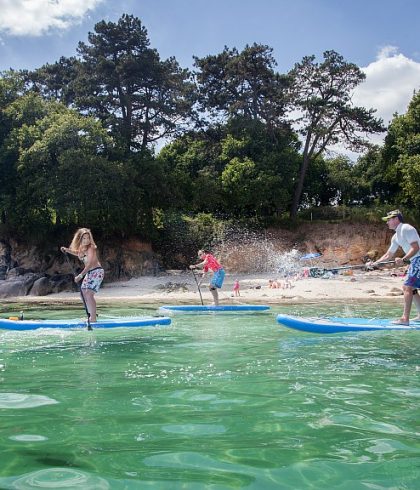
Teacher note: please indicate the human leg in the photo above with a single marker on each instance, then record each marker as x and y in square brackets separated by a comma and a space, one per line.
[215, 295]
[411, 284]
[90, 303]
[215, 283]
[90, 285]
[416, 300]
[408, 301]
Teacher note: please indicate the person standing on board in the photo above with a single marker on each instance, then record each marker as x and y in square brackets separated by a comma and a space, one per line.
[84, 247]
[209, 262]
[406, 237]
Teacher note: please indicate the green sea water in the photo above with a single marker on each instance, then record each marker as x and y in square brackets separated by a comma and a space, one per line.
[209, 402]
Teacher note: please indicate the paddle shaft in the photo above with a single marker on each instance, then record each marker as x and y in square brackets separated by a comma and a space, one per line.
[198, 286]
[347, 267]
[89, 326]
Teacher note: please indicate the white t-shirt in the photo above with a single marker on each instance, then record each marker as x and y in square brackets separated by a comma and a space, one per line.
[405, 234]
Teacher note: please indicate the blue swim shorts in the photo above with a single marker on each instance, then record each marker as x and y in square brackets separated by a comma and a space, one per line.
[93, 279]
[413, 275]
[218, 278]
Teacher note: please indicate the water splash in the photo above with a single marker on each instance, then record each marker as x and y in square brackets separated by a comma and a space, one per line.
[254, 252]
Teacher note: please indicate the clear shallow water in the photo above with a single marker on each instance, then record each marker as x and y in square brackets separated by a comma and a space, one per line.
[210, 402]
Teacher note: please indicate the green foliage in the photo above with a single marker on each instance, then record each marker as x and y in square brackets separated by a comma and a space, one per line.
[124, 83]
[181, 236]
[62, 175]
[242, 83]
[398, 163]
[317, 189]
[409, 166]
[59, 180]
[12, 86]
[239, 181]
[190, 163]
[55, 81]
[350, 187]
[241, 169]
[375, 178]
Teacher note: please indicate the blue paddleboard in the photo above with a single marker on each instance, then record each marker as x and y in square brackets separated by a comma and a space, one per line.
[212, 308]
[337, 325]
[140, 321]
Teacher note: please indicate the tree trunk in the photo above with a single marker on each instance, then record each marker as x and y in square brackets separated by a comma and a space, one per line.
[299, 187]
[302, 173]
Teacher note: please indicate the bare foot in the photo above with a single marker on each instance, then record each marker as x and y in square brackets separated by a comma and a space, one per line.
[400, 321]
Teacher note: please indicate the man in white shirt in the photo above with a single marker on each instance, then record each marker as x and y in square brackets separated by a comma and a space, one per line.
[406, 237]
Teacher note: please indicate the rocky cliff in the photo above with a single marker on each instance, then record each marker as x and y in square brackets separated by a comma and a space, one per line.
[27, 269]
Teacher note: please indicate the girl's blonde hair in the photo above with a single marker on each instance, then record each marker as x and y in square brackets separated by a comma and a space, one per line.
[77, 239]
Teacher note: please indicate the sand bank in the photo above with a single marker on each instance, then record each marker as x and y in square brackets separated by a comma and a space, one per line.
[179, 287]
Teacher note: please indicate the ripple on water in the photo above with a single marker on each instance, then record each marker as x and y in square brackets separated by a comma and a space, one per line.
[63, 478]
[143, 402]
[28, 438]
[355, 421]
[384, 446]
[194, 429]
[24, 400]
[408, 392]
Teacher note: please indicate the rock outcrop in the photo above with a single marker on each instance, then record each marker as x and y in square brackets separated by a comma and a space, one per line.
[28, 270]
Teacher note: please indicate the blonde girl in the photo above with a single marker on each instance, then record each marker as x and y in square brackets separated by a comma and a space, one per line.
[84, 247]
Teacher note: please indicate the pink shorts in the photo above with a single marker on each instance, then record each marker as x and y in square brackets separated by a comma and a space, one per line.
[93, 279]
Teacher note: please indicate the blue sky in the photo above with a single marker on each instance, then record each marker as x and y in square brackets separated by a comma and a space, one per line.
[357, 29]
[380, 36]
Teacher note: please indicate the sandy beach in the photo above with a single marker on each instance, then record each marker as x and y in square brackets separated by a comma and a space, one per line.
[179, 287]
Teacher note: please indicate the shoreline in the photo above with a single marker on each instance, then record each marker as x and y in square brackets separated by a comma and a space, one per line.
[179, 287]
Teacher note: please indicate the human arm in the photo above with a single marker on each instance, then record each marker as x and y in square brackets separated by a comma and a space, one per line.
[386, 256]
[90, 262]
[68, 251]
[201, 278]
[200, 265]
[410, 243]
[414, 248]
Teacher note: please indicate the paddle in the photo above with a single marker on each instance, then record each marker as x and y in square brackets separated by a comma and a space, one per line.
[319, 271]
[198, 286]
[89, 326]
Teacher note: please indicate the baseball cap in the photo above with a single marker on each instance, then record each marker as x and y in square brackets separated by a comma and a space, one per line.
[393, 214]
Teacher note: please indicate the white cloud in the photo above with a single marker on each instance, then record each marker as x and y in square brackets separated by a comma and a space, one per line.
[387, 52]
[37, 17]
[390, 83]
[389, 87]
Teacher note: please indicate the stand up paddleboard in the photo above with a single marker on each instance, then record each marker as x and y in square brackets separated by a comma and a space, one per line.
[142, 321]
[168, 309]
[337, 325]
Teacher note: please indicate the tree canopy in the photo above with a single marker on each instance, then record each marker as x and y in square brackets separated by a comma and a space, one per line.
[120, 140]
[321, 94]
